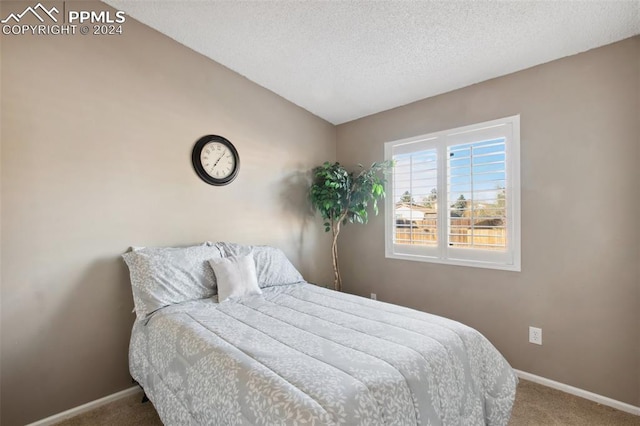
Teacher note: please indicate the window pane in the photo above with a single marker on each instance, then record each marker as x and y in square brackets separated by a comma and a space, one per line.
[476, 176]
[415, 184]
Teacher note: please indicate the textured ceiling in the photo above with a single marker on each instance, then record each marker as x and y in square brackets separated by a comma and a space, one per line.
[343, 60]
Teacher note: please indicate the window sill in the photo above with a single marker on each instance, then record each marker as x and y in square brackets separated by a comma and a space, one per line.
[456, 262]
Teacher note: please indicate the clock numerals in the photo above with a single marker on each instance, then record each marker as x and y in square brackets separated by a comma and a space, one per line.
[218, 160]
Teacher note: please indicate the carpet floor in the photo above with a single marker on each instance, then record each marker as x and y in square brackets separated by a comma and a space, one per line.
[535, 405]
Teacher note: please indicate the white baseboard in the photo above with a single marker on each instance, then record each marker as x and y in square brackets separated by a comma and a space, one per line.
[86, 407]
[618, 405]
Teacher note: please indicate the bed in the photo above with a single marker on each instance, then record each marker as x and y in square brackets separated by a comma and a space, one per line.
[298, 354]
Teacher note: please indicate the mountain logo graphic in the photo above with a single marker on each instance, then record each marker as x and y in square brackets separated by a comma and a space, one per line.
[34, 11]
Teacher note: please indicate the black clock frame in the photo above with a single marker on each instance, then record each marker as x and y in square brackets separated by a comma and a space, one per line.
[197, 163]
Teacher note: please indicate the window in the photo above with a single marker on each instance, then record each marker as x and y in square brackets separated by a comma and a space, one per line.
[454, 196]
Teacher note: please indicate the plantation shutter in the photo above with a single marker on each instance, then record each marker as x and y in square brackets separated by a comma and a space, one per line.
[415, 186]
[454, 196]
[477, 195]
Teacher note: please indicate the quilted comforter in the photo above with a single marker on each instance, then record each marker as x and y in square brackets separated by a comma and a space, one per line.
[301, 354]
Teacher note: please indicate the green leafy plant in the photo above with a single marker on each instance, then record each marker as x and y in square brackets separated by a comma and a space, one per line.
[344, 197]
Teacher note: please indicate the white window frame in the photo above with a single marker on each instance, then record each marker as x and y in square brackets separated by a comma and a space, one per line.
[509, 259]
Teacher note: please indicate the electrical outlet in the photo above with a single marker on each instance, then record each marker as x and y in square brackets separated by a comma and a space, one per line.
[535, 335]
[373, 296]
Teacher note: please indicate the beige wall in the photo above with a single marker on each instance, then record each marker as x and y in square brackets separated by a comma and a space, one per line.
[580, 280]
[97, 135]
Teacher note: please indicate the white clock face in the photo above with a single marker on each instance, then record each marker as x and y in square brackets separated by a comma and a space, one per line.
[217, 160]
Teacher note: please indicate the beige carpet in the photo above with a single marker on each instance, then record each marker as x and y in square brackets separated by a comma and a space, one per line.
[540, 405]
[535, 405]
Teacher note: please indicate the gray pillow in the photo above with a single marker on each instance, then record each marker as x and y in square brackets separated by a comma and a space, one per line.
[163, 276]
[272, 266]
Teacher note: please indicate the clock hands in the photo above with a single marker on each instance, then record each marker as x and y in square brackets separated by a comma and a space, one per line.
[217, 161]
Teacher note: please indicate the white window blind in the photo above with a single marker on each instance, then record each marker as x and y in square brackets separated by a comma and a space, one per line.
[455, 196]
[415, 188]
[476, 195]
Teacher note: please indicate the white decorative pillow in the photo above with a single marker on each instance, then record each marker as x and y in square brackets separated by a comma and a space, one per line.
[272, 266]
[236, 277]
[163, 276]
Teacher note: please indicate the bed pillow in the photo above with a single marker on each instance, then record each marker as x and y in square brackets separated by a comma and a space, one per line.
[272, 266]
[236, 277]
[163, 276]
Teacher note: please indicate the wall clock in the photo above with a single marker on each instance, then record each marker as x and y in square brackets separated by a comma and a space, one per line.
[215, 160]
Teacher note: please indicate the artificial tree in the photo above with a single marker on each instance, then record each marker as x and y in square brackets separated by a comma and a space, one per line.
[344, 197]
